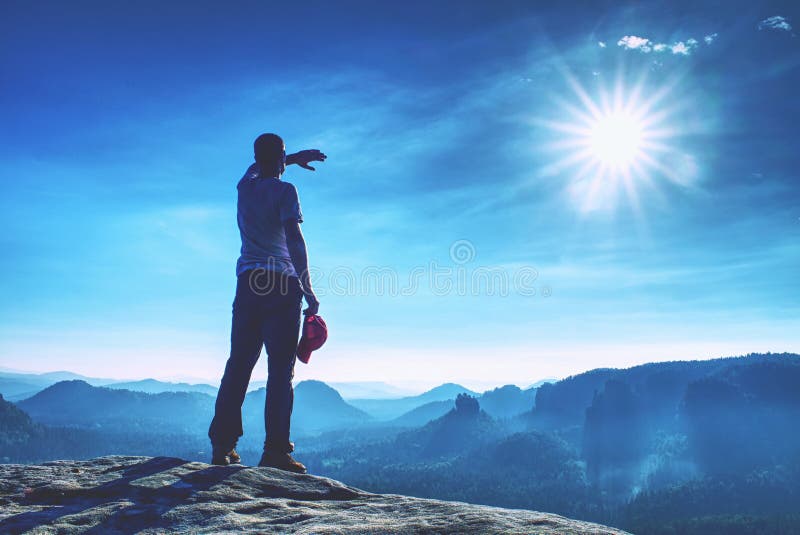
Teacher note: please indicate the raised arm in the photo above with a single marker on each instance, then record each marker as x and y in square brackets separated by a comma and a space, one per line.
[299, 254]
[303, 158]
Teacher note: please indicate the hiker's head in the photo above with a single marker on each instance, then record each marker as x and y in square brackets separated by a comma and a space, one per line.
[270, 154]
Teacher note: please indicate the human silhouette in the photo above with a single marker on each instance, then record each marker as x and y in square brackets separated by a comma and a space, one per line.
[272, 279]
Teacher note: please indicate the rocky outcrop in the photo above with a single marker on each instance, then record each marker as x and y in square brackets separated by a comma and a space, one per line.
[166, 495]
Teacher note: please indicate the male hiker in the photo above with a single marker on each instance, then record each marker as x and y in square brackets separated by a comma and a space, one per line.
[272, 278]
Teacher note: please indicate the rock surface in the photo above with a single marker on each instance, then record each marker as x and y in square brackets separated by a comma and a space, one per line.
[152, 495]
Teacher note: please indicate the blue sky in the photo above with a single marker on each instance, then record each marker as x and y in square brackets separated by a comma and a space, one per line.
[126, 127]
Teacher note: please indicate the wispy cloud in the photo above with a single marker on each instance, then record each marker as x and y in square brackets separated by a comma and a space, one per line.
[775, 23]
[633, 42]
[710, 38]
[684, 49]
[646, 46]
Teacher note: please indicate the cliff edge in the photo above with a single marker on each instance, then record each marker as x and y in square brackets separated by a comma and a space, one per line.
[122, 494]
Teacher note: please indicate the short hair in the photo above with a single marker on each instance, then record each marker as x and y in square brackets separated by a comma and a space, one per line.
[268, 149]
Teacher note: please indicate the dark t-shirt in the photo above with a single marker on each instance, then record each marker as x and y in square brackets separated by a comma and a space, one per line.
[265, 203]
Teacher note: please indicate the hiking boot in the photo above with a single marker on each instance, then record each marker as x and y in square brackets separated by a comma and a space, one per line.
[220, 458]
[288, 448]
[281, 461]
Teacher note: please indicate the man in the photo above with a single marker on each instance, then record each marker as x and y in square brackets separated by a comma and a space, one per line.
[272, 278]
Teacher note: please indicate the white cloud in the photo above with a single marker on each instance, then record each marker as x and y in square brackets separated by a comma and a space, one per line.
[601, 44]
[632, 42]
[775, 23]
[681, 48]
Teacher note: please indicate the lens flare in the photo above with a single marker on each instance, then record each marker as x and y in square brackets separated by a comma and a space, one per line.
[616, 139]
[615, 144]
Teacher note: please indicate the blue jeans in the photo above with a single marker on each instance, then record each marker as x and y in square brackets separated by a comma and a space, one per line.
[266, 311]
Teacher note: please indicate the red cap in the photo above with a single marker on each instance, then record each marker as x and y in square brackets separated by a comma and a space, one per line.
[315, 332]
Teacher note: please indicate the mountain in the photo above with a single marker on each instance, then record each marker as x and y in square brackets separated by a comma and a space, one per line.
[463, 427]
[19, 385]
[153, 386]
[661, 386]
[507, 401]
[537, 384]
[663, 424]
[77, 403]
[24, 441]
[317, 407]
[368, 390]
[16, 427]
[321, 407]
[468, 456]
[120, 494]
[423, 414]
[388, 409]
[668, 447]
[62, 375]
[503, 402]
[443, 392]
[14, 389]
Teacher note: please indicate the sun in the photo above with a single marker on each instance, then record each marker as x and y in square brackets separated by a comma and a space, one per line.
[616, 139]
[612, 145]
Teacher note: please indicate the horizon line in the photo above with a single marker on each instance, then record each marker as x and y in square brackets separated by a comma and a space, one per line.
[408, 387]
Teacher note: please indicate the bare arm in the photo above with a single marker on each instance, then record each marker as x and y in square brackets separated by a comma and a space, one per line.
[304, 157]
[299, 254]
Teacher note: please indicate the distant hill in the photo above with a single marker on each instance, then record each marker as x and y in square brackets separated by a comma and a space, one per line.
[423, 414]
[695, 417]
[712, 444]
[507, 401]
[153, 386]
[462, 428]
[70, 376]
[443, 392]
[368, 390]
[464, 455]
[15, 426]
[18, 385]
[388, 409]
[77, 403]
[317, 407]
[661, 386]
[537, 384]
[15, 389]
[22, 440]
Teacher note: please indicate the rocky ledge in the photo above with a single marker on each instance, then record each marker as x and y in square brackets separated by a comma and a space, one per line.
[120, 494]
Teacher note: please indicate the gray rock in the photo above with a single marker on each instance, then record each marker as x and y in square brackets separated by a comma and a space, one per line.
[156, 495]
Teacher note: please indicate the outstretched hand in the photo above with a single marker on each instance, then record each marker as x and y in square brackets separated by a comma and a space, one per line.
[303, 158]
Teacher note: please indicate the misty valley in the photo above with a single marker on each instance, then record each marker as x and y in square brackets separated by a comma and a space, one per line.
[684, 447]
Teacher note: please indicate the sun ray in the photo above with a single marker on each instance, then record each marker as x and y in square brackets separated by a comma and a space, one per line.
[614, 143]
